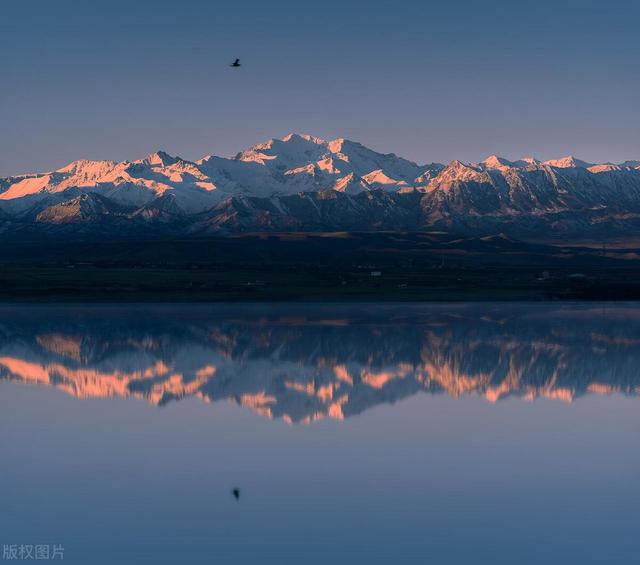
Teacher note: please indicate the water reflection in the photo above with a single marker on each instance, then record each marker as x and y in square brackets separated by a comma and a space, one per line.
[303, 363]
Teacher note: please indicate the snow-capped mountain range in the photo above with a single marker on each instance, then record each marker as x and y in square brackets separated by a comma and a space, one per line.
[301, 182]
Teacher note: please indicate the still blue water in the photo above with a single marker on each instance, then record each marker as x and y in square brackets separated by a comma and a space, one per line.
[445, 434]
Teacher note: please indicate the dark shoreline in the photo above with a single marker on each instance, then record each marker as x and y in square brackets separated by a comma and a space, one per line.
[90, 283]
[314, 267]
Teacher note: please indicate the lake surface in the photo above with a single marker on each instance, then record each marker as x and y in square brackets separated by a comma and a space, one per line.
[445, 434]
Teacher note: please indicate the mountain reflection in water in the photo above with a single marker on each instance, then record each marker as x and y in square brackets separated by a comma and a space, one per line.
[306, 362]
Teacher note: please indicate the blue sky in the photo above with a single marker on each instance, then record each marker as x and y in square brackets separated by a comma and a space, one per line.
[431, 81]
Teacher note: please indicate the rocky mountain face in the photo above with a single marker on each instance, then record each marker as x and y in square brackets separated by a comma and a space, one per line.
[303, 183]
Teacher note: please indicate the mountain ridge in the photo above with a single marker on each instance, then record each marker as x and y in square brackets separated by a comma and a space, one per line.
[294, 183]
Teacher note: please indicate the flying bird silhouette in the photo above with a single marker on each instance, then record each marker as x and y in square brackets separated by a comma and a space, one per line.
[236, 63]
[236, 493]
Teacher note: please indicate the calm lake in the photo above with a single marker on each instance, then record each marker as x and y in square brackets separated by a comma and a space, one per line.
[293, 433]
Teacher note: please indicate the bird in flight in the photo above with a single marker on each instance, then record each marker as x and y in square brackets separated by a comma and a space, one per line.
[236, 63]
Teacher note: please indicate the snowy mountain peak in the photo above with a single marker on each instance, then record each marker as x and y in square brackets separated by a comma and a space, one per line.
[459, 166]
[568, 162]
[495, 162]
[500, 163]
[293, 137]
[87, 167]
[291, 151]
[159, 158]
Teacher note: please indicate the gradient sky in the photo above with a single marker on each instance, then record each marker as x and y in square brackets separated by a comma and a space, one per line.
[430, 81]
